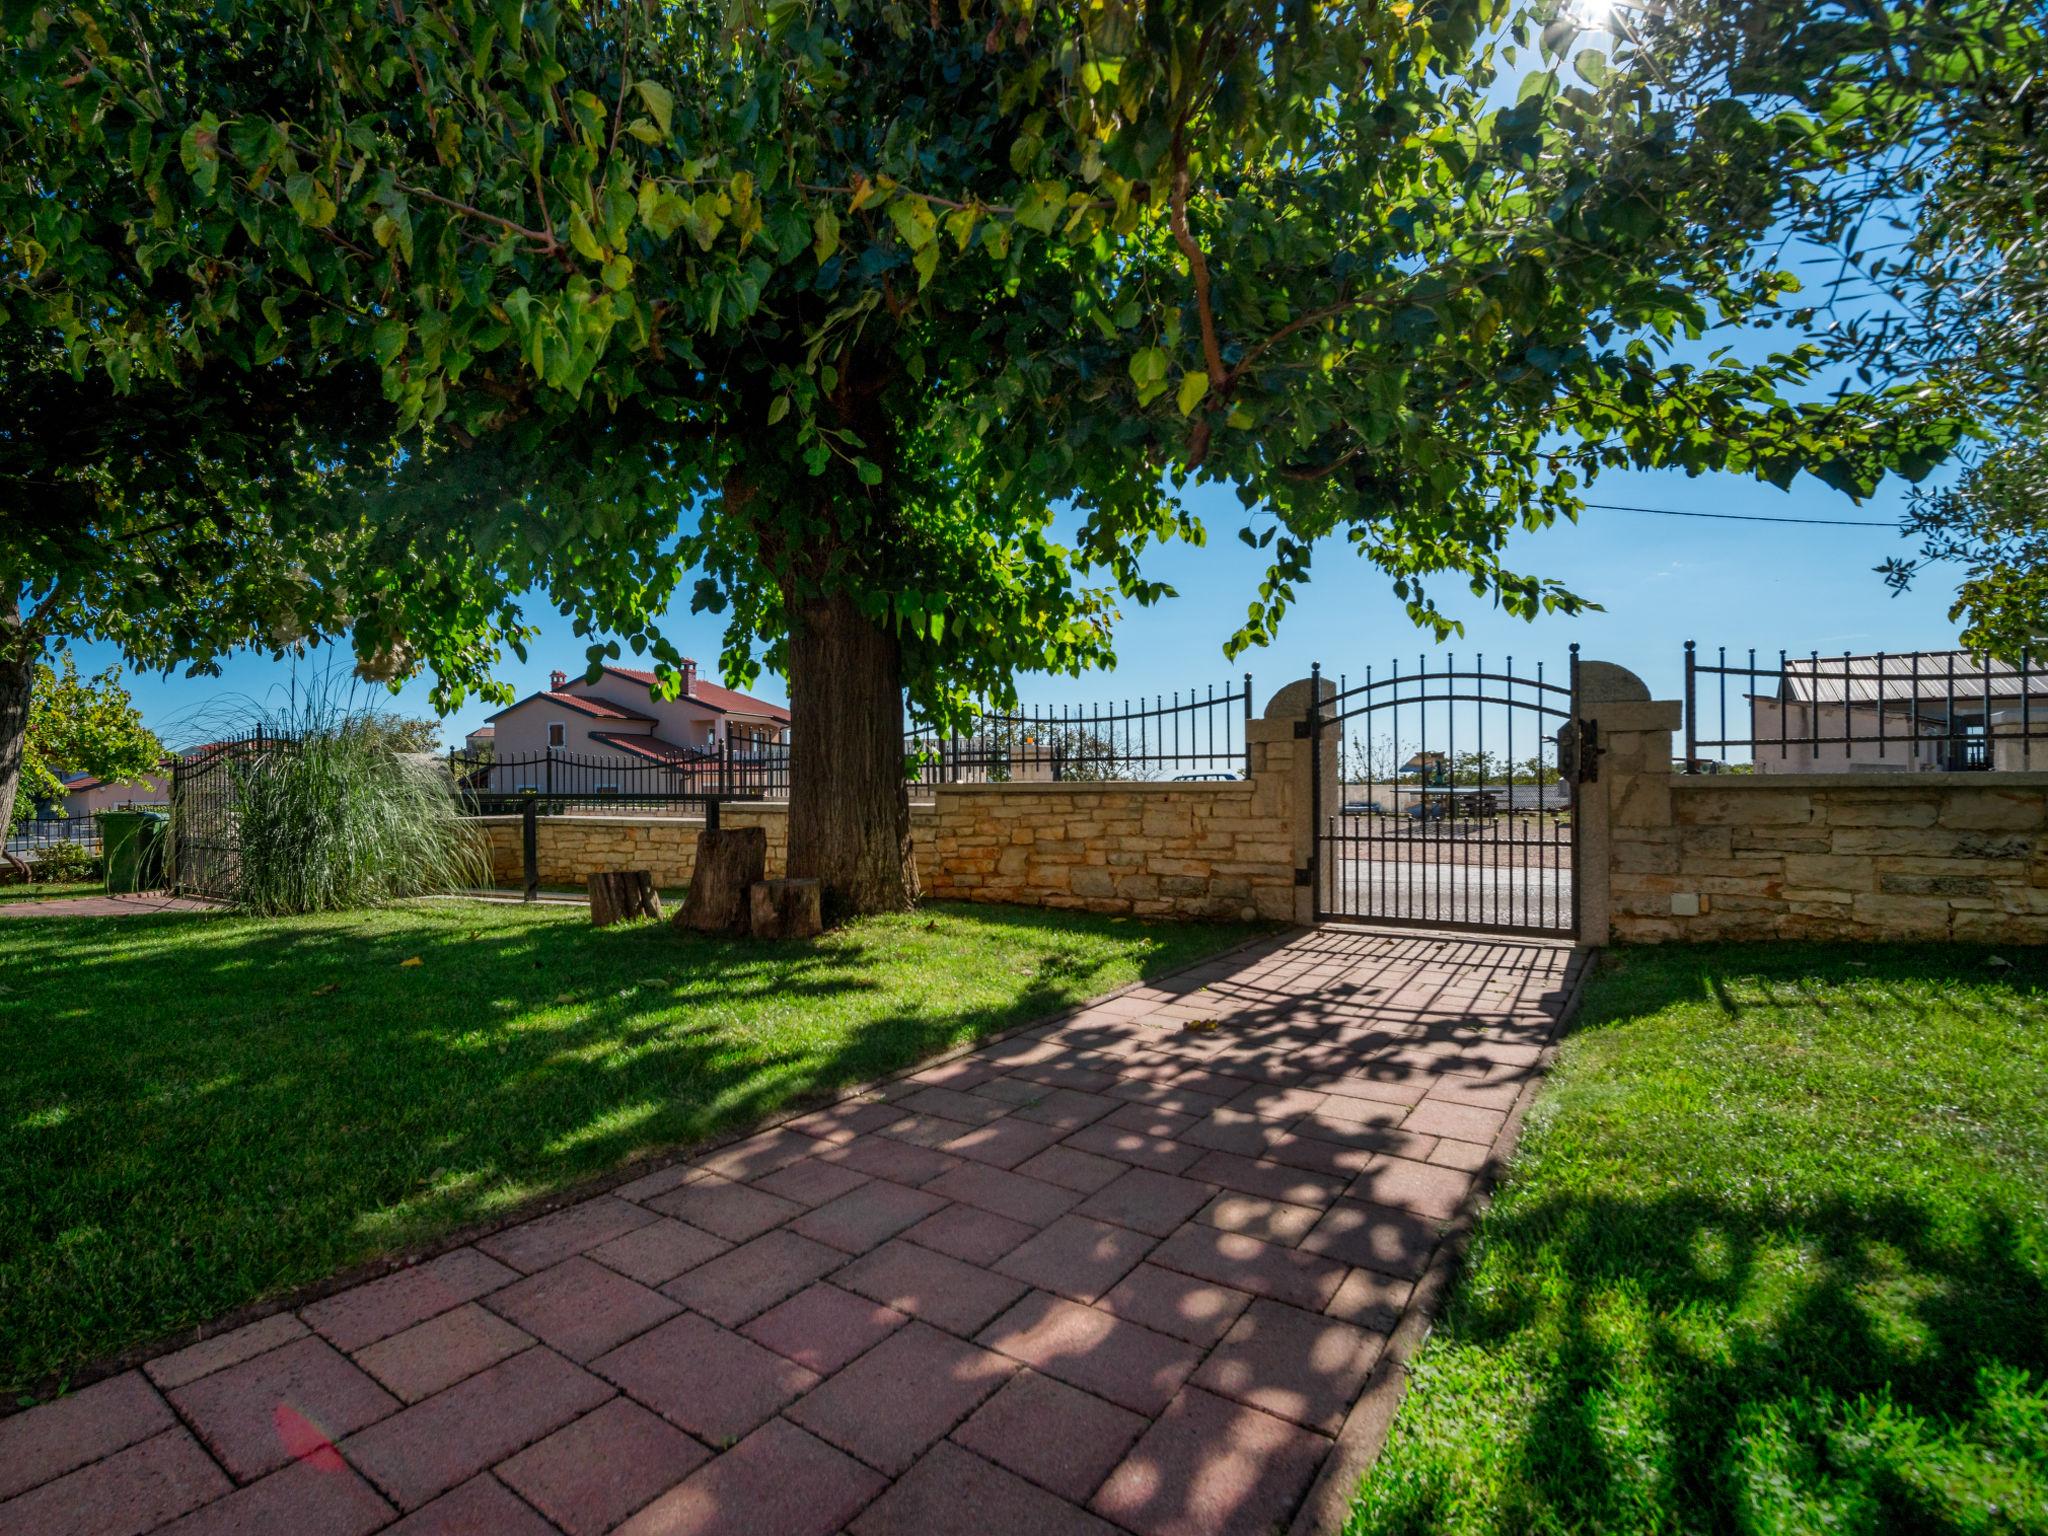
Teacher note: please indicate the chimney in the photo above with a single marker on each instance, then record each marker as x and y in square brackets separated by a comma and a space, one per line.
[689, 678]
[557, 679]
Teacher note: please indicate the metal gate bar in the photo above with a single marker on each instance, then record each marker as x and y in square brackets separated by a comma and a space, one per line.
[1451, 837]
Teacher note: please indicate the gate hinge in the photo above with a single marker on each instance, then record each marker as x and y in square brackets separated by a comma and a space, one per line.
[1302, 730]
[1303, 877]
[1578, 751]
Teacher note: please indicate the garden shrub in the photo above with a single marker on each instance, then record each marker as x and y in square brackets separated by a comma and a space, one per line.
[337, 819]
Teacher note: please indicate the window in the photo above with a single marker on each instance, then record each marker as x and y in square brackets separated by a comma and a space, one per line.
[558, 735]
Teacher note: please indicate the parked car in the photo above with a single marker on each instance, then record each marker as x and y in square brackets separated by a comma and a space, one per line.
[1205, 778]
[1364, 808]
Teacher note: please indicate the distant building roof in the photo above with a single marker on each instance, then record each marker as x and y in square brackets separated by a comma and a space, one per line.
[1922, 675]
[583, 703]
[484, 730]
[653, 748]
[726, 701]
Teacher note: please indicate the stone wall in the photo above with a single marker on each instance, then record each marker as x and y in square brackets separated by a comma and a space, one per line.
[1193, 850]
[1851, 856]
[572, 848]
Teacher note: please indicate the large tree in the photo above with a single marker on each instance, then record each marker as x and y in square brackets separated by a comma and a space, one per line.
[834, 305]
[227, 508]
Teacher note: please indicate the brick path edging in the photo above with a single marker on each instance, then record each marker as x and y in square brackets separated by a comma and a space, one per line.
[1365, 1431]
[597, 1184]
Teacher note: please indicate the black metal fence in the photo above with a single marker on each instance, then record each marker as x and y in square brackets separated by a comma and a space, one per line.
[204, 845]
[1196, 734]
[1199, 734]
[48, 842]
[1908, 711]
[561, 782]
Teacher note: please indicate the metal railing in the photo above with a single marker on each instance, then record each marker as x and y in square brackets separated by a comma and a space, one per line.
[32, 841]
[1905, 712]
[1197, 734]
[567, 782]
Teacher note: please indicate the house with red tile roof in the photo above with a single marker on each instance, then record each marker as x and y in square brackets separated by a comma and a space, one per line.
[621, 717]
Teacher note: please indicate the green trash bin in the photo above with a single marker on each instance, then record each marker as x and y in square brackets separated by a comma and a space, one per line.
[131, 848]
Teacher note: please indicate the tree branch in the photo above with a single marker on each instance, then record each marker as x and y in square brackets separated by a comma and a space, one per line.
[543, 238]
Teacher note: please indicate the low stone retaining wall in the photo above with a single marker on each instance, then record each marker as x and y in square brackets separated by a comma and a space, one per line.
[1195, 849]
[1146, 850]
[1849, 856]
[1925, 856]
[572, 848]
[1202, 850]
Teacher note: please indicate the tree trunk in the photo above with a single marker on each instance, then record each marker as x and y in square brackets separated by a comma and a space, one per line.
[849, 806]
[728, 863]
[622, 895]
[17, 676]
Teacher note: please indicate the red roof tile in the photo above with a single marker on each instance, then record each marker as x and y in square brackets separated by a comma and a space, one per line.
[726, 701]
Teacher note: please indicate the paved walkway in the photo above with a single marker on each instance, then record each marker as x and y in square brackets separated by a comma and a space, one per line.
[105, 906]
[1127, 1271]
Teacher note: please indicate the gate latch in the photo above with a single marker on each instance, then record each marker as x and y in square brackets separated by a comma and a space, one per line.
[1578, 751]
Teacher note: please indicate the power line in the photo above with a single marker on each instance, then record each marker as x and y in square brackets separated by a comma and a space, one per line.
[1743, 517]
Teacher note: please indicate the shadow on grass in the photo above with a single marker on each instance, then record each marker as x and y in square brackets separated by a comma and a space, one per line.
[1775, 1258]
[198, 1111]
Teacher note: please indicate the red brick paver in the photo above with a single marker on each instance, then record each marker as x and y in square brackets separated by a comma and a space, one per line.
[1107, 1277]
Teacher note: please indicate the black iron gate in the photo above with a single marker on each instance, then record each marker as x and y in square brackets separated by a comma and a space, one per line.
[1453, 807]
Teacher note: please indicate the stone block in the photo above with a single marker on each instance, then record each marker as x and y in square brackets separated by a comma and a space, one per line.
[1991, 810]
[1889, 809]
[1091, 881]
[1903, 917]
[1706, 842]
[1832, 870]
[1746, 808]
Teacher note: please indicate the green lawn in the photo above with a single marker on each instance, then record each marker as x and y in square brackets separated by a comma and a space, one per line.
[198, 1111]
[1773, 1258]
[49, 890]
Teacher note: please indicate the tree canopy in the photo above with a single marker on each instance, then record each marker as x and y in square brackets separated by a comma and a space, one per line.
[833, 307]
[81, 725]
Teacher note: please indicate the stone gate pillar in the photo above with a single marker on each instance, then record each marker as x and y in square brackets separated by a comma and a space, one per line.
[1283, 777]
[1625, 827]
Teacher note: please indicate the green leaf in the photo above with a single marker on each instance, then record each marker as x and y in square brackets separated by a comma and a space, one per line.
[659, 101]
[617, 273]
[581, 238]
[1194, 384]
[777, 409]
[825, 234]
[388, 340]
[309, 200]
[1148, 366]
[870, 473]
[925, 263]
[1592, 66]
[199, 151]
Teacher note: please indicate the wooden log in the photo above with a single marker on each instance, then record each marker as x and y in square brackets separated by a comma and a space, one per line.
[620, 895]
[785, 909]
[729, 861]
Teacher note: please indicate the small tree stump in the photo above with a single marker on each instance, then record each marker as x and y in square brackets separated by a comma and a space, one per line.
[616, 897]
[785, 909]
[729, 862]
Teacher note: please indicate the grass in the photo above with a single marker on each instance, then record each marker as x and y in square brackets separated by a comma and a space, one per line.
[199, 1111]
[1773, 1258]
[51, 889]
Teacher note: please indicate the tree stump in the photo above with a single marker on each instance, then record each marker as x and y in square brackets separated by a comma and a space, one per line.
[729, 862]
[616, 897]
[785, 909]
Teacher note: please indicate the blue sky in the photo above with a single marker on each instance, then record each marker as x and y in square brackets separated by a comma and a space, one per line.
[1660, 580]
